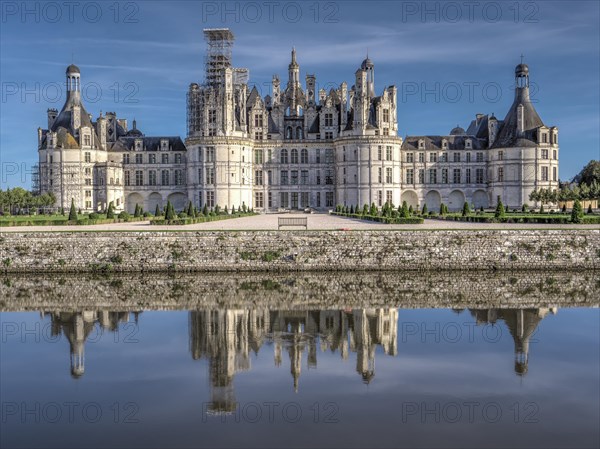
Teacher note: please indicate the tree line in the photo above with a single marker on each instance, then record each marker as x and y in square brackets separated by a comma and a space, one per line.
[18, 201]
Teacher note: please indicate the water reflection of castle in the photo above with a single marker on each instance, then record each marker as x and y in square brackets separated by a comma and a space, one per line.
[227, 337]
[77, 327]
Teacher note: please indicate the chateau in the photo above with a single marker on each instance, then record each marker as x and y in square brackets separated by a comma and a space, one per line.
[299, 147]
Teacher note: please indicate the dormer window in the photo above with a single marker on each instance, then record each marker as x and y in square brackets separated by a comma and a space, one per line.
[86, 140]
[164, 145]
[138, 145]
[421, 144]
[445, 144]
[468, 143]
[544, 138]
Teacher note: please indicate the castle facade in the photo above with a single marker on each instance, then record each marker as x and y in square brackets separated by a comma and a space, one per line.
[299, 147]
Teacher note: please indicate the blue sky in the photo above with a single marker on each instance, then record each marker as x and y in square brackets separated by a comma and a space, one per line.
[449, 60]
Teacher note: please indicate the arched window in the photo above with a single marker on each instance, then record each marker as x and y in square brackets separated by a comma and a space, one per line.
[294, 156]
[284, 156]
[288, 132]
[299, 133]
[304, 156]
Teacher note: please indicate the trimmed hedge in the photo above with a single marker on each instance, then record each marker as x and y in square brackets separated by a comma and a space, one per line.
[203, 219]
[379, 219]
[540, 219]
[80, 222]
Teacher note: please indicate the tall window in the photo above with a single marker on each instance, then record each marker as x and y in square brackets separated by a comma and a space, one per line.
[152, 158]
[127, 178]
[294, 197]
[444, 176]
[554, 174]
[380, 198]
[479, 176]
[432, 176]
[210, 154]
[259, 199]
[328, 176]
[126, 158]
[544, 153]
[554, 155]
[410, 176]
[304, 201]
[328, 199]
[468, 156]
[388, 175]
[283, 199]
[258, 177]
[421, 157]
[421, 176]
[318, 194]
[283, 156]
[456, 176]
[304, 177]
[294, 177]
[212, 116]
[200, 176]
[386, 116]
[379, 153]
[294, 156]
[258, 120]
[329, 156]
[433, 157]
[456, 157]
[178, 158]
[258, 156]
[410, 157]
[388, 196]
[210, 199]
[328, 119]
[388, 153]
[318, 177]
[139, 178]
[139, 158]
[479, 157]
[544, 173]
[152, 177]
[304, 156]
[317, 156]
[501, 174]
[380, 175]
[210, 175]
[500, 155]
[165, 158]
[284, 177]
[468, 176]
[88, 157]
[164, 177]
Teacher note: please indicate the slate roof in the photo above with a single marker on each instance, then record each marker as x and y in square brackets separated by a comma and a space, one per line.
[434, 143]
[507, 137]
[148, 143]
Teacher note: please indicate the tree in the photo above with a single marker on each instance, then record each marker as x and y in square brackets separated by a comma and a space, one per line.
[232, 210]
[500, 212]
[524, 207]
[205, 210]
[72, 212]
[424, 210]
[157, 211]
[577, 212]
[564, 209]
[190, 210]
[244, 208]
[351, 209]
[365, 209]
[373, 211]
[170, 212]
[411, 211]
[589, 173]
[590, 211]
[137, 213]
[542, 209]
[404, 210]
[466, 211]
[442, 209]
[226, 210]
[110, 213]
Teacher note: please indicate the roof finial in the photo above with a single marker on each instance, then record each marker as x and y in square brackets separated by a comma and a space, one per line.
[522, 56]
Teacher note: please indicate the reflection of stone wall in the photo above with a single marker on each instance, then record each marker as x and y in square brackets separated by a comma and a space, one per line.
[301, 250]
[299, 290]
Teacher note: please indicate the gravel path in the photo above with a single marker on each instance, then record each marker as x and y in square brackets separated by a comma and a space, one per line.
[315, 222]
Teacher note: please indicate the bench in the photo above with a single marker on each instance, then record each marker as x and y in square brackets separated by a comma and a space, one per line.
[293, 221]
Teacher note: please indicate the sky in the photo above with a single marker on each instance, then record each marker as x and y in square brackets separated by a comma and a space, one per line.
[449, 61]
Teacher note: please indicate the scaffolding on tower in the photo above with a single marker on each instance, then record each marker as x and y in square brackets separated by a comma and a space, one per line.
[218, 54]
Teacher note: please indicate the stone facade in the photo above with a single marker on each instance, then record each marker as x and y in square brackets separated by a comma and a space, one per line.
[300, 250]
[297, 147]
